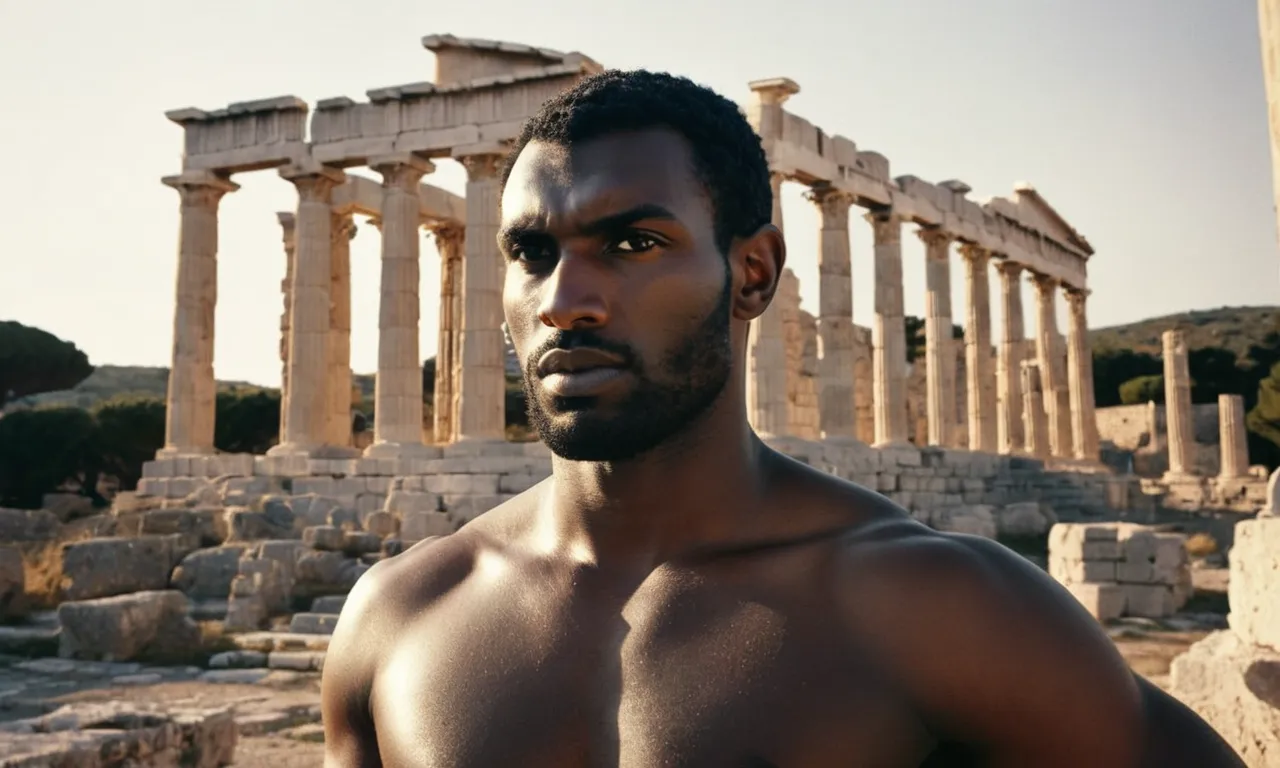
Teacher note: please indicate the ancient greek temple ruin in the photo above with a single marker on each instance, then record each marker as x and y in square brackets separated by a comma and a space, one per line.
[1014, 399]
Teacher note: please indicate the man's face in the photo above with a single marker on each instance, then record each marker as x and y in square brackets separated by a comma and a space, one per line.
[616, 298]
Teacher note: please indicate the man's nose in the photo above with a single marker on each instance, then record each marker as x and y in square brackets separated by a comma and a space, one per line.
[573, 296]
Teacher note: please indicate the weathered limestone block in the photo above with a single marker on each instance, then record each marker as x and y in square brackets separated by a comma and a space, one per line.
[1148, 600]
[208, 573]
[1254, 584]
[67, 506]
[326, 538]
[301, 661]
[152, 625]
[274, 521]
[977, 520]
[381, 524]
[326, 573]
[313, 623]
[208, 524]
[1235, 687]
[418, 525]
[356, 543]
[238, 660]
[1150, 570]
[1026, 518]
[330, 604]
[17, 525]
[13, 583]
[104, 567]
[1103, 601]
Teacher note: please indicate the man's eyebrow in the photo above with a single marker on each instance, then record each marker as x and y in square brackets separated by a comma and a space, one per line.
[525, 227]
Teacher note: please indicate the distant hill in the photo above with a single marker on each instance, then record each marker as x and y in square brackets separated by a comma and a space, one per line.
[1233, 328]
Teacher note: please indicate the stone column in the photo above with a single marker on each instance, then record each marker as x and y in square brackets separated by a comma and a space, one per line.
[397, 410]
[1232, 437]
[449, 240]
[339, 390]
[481, 383]
[1012, 436]
[767, 355]
[1046, 354]
[888, 333]
[940, 382]
[1035, 420]
[1177, 407]
[977, 346]
[306, 424]
[189, 412]
[835, 315]
[286, 290]
[1084, 418]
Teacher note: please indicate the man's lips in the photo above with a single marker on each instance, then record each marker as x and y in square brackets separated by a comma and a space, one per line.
[577, 360]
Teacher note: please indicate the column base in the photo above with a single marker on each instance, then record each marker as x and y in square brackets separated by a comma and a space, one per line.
[293, 449]
[894, 445]
[173, 452]
[385, 449]
[1180, 478]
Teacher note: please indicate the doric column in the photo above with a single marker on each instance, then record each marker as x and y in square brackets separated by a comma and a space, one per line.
[1046, 357]
[1011, 435]
[307, 421]
[189, 412]
[481, 377]
[449, 240]
[940, 381]
[1084, 419]
[1232, 437]
[341, 231]
[397, 410]
[835, 315]
[1035, 420]
[888, 333]
[767, 355]
[1177, 406]
[977, 347]
[286, 289]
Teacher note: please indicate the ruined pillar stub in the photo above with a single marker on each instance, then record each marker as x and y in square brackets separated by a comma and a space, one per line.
[1035, 420]
[889, 342]
[287, 223]
[1011, 436]
[1177, 404]
[836, 416]
[449, 244]
[397, 414]
[1084, 419]
[767, 356]
[977, 343]
[338, 437]
[190, 403]
[481, 377]
[1232, 437]
[940, 396]
[306, 425]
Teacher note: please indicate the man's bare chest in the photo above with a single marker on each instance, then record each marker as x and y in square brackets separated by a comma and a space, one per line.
[730, 681]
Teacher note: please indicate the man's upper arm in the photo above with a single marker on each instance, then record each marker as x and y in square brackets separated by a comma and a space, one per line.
[1000, 658]
[349, 667]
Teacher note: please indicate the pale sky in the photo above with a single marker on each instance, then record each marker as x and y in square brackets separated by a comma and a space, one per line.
[1142, 121]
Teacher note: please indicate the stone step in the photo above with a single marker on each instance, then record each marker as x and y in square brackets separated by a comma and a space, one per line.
[328, 604]
[313, 623]
[29, 641]
[299, 661]
[268, 642]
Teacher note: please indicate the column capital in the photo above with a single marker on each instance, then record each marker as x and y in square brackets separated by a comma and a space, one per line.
[975, 253]
[482, 167]
[1076, 295]
[832, 203]
[343, 226]
[200, 188]
[1008, 268]
[1043, 283]
[934, 236]
[447, 232]
[402, 170]
[314, 181]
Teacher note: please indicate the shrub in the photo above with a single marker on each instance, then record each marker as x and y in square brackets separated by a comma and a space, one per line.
[33, 361]
[1142, 389]
[132, 430]
[247, 420]
[43, 449]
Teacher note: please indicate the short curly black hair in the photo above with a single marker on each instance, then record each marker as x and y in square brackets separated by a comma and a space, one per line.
[727, 155]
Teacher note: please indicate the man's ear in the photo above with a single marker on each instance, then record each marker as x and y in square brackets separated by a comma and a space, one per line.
[757, 262]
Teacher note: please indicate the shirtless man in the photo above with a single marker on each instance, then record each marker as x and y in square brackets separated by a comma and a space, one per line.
[677, 593]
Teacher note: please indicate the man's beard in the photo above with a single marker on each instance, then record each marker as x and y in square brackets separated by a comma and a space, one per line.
[689, 379]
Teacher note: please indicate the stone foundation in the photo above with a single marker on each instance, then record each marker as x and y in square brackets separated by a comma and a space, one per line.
[1121, 569]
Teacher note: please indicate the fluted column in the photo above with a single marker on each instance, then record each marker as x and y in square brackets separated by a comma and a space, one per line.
[1011, 435]
[940, 376]
[286, 290]
[306, 424]
[1035, 420]
[339, 390]
[449, 243]
[189, 411]
[767, 355]
[481, 376]
[1232, 437]
[1046, 357]
[1084, 418]
[1177, 406]
[835, 315]
[977, 347]
[397, 410]
[888, 332]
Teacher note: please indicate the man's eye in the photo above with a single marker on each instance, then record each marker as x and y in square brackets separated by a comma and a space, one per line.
[531, 253]
[634, 244]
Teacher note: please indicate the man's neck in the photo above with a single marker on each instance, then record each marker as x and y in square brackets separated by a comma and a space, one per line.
[688, 496]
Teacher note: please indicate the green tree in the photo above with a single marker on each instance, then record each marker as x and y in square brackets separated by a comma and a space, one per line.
[131, 431]
[1142, 389]
[247, 420]
[33, 361]
[914, 327]
[43, 449]
[1113, 367]
[1214, 372]
[1264, 418]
